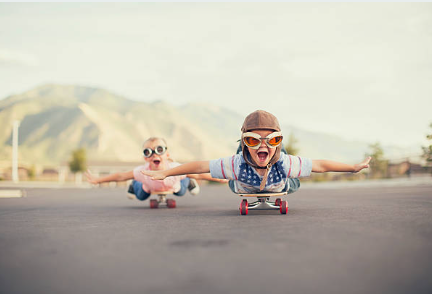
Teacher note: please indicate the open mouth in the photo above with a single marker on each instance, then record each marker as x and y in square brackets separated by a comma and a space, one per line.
[156, 162]
[262, 156]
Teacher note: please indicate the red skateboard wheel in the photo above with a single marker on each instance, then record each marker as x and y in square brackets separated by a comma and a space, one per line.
[171, 203]
[244, 207]
[283, 207]
[154, 203]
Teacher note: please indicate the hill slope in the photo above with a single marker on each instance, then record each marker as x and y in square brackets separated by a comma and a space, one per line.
[57, 119]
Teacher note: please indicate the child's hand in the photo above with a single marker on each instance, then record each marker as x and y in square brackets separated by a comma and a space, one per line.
[154, 174]
[362, 165]
[90, 178]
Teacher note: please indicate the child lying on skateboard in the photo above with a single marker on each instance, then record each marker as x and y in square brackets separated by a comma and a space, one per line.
[261, 166]
[156, 158]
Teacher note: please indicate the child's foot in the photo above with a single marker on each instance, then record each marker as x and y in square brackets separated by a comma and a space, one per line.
[131, 192]
[193, 187]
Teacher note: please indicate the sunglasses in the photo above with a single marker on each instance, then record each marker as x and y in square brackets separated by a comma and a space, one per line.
[254, 141]
[159, 150]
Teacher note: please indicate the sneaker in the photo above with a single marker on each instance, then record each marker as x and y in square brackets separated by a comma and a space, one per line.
[193, 187]
[131, 192]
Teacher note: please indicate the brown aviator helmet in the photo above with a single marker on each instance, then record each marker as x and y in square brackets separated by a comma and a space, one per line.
[262, 120]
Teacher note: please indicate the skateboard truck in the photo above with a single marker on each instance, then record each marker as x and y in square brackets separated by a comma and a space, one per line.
[263, 203]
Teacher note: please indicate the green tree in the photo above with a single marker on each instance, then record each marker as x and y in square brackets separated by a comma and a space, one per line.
[290, 147]
[378, 164]
[32, 172]
[79, 160]
[427, 151]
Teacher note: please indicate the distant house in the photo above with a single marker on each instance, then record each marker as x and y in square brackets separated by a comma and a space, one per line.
[49, 174]
[23, 174]
[406, 168]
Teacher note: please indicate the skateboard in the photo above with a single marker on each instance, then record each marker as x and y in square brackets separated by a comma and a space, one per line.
[170, 203]
[263, 203]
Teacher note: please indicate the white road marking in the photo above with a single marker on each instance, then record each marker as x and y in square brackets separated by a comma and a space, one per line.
[11, 194]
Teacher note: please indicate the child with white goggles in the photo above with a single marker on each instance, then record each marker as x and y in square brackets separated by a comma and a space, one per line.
[260, 167]
[156, 158]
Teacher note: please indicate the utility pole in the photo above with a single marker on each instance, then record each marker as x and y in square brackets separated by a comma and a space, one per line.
[16, 124]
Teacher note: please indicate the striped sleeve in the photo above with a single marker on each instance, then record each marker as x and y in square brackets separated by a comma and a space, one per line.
[224, 168]
[296, 166]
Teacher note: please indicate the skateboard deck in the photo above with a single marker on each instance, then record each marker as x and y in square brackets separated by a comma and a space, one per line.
[162, 192]
[263, 194]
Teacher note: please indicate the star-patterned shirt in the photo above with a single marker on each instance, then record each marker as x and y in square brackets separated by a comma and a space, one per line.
[247, 180]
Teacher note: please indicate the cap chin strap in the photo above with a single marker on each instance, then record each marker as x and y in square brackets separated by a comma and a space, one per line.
[249, 160]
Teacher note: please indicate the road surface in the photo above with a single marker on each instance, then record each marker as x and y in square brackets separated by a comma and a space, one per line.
[333, 240]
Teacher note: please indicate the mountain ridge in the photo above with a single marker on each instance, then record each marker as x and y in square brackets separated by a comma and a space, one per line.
[56, 119]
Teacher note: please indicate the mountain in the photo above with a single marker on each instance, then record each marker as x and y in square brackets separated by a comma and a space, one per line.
[56, 119]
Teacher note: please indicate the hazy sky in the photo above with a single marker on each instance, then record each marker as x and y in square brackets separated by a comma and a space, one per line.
[359, 70]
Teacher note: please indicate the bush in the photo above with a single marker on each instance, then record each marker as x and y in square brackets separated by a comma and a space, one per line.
[79, 161]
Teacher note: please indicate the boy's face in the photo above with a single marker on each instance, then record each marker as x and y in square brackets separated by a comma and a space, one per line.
[263, 154]
[156, 161]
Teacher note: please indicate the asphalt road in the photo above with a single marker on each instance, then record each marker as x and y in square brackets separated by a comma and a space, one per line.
[351, 240]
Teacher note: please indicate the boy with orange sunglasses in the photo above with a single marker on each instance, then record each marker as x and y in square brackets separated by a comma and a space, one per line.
[261, 166]
[156, 158]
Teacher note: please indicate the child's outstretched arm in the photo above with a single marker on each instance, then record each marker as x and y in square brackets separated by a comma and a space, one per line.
[117, 177]
[193, 167]
[322, 166]
[207, 177]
